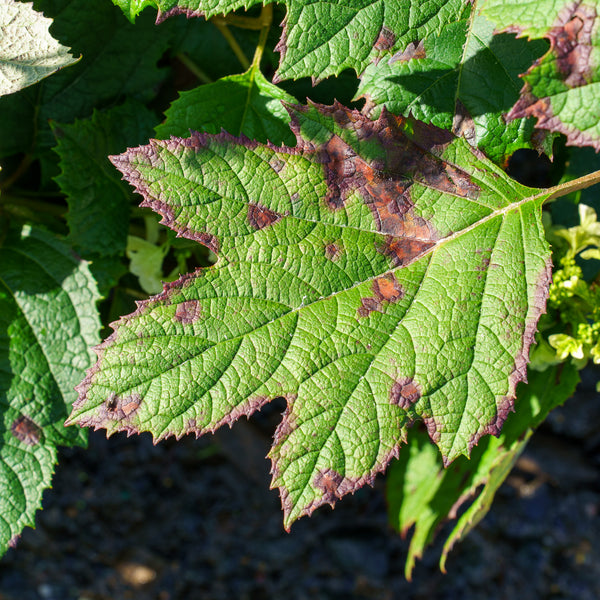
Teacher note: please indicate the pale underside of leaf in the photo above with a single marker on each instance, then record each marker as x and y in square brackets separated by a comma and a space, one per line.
[28, 52]
[378, 273]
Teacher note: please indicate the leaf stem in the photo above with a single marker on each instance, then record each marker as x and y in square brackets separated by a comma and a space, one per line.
[580, 183]
[193, 68]
[233, 44]
[265, 19]
[17, 173]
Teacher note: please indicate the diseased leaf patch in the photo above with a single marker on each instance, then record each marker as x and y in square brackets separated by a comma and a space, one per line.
[378, 273]
[561, 87]
[464, 80]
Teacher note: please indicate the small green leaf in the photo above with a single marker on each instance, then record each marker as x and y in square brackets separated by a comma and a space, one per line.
[28, 52]
[146, 263]
[421, 493]
[48, 321]
[241, 104]
[99, 202]
[562, 88]
[463, 80]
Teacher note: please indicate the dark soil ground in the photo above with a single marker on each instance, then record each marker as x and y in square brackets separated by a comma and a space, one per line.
[194, 520]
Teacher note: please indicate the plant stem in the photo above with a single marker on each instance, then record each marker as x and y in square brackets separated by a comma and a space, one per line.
[580, 183]
[222, 27]
[20, 170]
[265, 19]
[193, 68]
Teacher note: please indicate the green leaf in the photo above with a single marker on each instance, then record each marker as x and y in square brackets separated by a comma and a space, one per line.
[119, 61]
[28, 52]
[421, 493]
[48, 321]
[378, 273]
[241, 104]
[132, 8]
[322, 38]
[146, 263]
[464, 80]
[99, 202]
[566, 78]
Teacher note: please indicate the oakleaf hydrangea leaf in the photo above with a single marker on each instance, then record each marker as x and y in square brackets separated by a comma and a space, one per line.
[421, 493]
[562, 88]
[28, 52]
[241, 104]
[48, 320]
[324, 37]
[464, 80]
[99, 202]
[378, 273]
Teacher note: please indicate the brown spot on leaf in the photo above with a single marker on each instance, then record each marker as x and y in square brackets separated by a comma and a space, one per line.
[333, 251]
[260, 217]
[407, 153]
[116, 408]
[463, 124]
[571, 49]
[385, 40]
[385, 289]
[414, 51]
[188, 312]
[26, 431]
[329, 482]
[571, 40]
[404, 393]
[276, 164]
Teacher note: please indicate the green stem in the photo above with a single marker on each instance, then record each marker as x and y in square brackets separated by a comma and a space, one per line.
[265, 19]
[568, 187]
[222, 27]
[18, 172]
[193, 68]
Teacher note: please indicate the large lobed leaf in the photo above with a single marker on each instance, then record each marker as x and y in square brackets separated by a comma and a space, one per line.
[378, 273]
[48, 320]
[324, 37]
[562, 88]
[28, 52]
